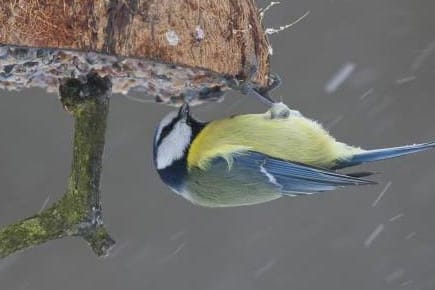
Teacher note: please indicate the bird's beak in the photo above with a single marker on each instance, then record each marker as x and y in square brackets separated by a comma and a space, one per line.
[184, 110]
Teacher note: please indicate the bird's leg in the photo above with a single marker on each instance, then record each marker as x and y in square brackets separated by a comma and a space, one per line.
[247, 87]
[278, 110]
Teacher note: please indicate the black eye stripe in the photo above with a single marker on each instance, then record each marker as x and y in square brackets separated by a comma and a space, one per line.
[166, 130]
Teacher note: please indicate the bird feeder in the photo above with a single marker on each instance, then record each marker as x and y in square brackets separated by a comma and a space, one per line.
[167, 50]
[170, 51]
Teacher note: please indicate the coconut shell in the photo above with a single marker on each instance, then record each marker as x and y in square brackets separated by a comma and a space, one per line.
[212, 40]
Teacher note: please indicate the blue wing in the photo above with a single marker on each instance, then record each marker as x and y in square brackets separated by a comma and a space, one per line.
[381, 154]
[295, 178]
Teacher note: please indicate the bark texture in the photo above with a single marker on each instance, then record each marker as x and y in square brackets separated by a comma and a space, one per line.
[79, 212]
[223, 36]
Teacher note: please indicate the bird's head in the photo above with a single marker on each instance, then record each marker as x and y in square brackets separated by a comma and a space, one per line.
[173, 137]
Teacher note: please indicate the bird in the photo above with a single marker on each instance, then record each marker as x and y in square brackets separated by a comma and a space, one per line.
[250, 159]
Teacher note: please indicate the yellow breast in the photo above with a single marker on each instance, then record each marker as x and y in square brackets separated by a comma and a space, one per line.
[295, 139]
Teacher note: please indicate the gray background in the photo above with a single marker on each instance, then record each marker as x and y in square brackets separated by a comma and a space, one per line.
[315, 242]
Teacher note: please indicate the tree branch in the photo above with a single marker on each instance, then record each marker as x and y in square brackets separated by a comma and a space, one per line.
[78, 213]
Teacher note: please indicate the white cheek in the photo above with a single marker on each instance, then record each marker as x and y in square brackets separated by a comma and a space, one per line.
[174, 145]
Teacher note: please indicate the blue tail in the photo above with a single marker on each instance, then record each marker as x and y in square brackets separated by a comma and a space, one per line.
[380, 154]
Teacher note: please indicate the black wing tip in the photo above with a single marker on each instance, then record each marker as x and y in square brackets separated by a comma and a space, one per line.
[360, 174]
[369, 182]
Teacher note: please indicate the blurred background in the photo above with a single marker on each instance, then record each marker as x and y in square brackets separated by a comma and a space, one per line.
[365, 69]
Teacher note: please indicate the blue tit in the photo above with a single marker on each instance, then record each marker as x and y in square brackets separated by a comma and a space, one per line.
[255, 158]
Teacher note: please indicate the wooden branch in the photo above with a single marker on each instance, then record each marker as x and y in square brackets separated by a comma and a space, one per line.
[78, 213]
